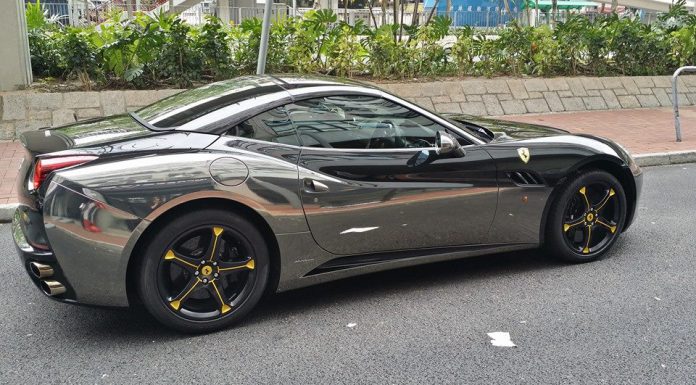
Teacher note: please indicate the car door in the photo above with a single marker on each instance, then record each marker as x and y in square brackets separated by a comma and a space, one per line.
[371, 182]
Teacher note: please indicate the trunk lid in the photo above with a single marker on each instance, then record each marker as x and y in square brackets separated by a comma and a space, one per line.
[88, 133]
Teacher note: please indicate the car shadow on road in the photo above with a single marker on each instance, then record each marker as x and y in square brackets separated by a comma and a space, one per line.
[136, 324]
[402, 281]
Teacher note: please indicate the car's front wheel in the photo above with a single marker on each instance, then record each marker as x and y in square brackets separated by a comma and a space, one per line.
[203, 271]
[587, 217]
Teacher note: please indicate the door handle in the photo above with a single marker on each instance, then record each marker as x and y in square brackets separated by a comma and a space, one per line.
[312, 185]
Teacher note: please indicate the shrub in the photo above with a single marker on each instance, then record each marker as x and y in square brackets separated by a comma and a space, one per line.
[159, 49]
[80, 55]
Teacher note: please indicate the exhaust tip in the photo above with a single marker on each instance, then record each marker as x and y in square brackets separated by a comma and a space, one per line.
[40, 270]
[52, 288]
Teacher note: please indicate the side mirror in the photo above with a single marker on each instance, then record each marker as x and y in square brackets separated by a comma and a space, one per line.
[446, 144]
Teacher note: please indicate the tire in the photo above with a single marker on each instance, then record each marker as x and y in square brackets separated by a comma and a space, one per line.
[203, 271]
[586, 218]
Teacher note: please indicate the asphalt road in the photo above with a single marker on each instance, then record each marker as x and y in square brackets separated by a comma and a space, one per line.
[630, 318]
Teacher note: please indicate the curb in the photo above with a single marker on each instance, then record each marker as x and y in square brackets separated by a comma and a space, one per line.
[665, 158]
[7, 211]
[643, 160]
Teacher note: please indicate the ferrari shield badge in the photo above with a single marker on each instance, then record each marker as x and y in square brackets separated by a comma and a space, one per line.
[524, 154]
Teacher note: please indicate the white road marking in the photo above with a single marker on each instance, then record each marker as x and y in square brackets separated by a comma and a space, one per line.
[501, 339]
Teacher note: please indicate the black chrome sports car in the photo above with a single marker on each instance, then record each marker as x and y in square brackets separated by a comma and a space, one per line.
[199, 204]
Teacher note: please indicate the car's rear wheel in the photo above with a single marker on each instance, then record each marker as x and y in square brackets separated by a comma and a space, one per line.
[203, 271]
[587, 217]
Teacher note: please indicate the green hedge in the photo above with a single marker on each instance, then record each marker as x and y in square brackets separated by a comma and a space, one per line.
[162, 50]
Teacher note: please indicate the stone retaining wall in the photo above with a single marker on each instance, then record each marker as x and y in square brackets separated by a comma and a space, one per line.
[27, 110]
[497, 97]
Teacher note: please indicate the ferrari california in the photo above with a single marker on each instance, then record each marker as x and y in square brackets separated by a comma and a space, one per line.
[198, 205]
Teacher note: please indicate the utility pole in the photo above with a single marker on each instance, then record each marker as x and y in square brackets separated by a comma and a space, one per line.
[265, 31]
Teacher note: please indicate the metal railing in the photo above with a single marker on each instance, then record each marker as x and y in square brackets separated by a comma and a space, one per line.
[675, 98]
[486, 19]
[97, 12]
[75, 13]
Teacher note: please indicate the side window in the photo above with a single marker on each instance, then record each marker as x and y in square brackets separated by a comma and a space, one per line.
[357, 121]
[271, 126]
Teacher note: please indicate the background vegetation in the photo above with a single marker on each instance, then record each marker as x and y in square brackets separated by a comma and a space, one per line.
[162, 50]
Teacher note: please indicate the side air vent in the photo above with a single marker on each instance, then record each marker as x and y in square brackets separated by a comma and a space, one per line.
[525, 178]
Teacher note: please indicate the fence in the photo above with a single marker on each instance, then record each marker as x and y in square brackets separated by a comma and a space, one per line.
[97, 11]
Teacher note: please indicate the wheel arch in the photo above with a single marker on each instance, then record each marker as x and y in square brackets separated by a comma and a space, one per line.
[228, 205]
[611, 165]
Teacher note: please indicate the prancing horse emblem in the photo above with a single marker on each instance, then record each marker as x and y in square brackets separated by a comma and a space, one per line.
[524, 154]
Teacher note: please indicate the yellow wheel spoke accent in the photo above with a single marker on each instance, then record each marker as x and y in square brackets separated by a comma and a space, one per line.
[171, 256]
[583, 192]
[249, 265]
[176, 304]
[608, 226]
[586, 250]
[216, 231]
[606, 199]
[224, 308]
[567, 226]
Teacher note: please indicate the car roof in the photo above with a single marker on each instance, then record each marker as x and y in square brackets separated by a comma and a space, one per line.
[196, 109]
[294, 81]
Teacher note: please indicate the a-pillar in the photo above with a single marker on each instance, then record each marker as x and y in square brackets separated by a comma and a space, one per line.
[15, 72]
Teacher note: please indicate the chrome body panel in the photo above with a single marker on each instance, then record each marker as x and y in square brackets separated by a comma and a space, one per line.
[88, 239]
[134, 192]
[377, 202]
[294, 279]
[372, 201]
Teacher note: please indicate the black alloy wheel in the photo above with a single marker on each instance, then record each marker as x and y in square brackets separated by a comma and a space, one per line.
[587, 217]
[204, 271]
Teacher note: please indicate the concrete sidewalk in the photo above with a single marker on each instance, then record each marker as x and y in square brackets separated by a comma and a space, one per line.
[11, 154]
[648, 133]
[642, 131]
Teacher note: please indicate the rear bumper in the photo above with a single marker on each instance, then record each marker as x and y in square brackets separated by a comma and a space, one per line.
[24, 223]
[87, 243]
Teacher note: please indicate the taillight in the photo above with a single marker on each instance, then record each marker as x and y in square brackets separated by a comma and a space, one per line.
[45, 166]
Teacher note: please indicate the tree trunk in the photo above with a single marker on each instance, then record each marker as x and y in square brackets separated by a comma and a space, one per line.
[614, 5]
[372, 14]
[416, 13]
[401, 20]
[448, 8]
[395, 6]
[383, 4]
[432, 11]
[345, 10]
[554, 11]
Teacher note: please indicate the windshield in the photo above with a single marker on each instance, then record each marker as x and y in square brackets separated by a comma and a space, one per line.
[474, 129]
[195, 109]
